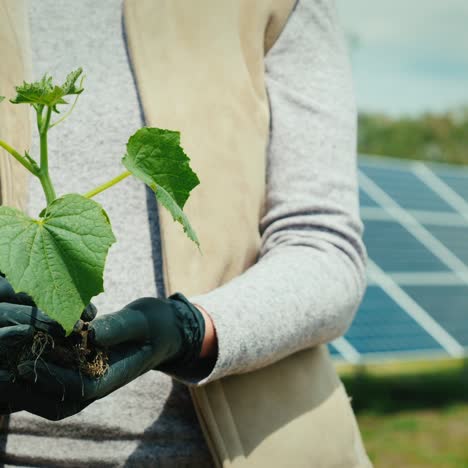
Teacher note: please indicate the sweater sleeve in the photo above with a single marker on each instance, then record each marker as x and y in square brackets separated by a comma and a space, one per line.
[310, 275]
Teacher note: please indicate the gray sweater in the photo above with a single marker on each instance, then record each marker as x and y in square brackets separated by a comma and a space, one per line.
[308, 281]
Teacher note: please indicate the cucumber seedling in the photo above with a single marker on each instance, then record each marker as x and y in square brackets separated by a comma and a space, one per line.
[58, 259]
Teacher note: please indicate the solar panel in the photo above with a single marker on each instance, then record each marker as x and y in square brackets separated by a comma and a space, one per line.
[416, 232]
[456, 182]
[383, 326]
[447, 305]
[333, 351]
[453, 237]
[393, 248]
[406, 188]
[365, 200]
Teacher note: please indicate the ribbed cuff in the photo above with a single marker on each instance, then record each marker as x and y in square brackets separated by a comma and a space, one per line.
[192, 328]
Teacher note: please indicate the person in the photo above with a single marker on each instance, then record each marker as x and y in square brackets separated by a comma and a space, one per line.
[301, 287]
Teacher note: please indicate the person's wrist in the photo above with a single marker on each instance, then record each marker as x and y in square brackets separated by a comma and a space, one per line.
[210, 342]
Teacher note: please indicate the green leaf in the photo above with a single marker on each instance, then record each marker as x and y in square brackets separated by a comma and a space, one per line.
[177, 214]
[70, 87]
[155, 156]
[59, 259]
[34, 93]
[2, 98]
[45, 93]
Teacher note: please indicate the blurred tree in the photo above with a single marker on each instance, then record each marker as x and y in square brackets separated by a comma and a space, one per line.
[435, 137]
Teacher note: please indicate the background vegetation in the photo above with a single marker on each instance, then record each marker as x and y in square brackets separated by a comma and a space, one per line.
[412, 415]
[431, 137]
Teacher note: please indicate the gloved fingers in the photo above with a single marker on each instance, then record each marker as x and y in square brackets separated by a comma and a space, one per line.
[13, 337]
[6, 377]
[53, 410]
[6, 290]
[8, 408]
[134, 323]
[22, 299]
[19, 396]
[70, 385]
[89, 313]
[15, 314]
[6, 391]
[7, 294]
[13, 395]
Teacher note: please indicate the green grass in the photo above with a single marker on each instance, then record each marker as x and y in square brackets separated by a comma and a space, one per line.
[417, 438]
[412, 415]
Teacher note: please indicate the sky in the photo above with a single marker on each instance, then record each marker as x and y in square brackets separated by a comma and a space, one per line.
[409, 56]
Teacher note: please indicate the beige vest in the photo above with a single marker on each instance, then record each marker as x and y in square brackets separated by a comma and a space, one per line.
[199, 67]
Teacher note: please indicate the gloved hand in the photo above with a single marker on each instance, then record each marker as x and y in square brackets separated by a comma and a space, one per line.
[146, 334]
[19, 320]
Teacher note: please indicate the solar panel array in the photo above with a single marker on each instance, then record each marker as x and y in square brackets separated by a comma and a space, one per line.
[416, 232]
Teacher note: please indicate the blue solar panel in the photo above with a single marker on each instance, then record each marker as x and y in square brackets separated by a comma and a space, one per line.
[333, 351]
[394, 249]
[447, 305]
[382, 326]
[457, 182]
[365, 200]
[406, 189]
[455, 238]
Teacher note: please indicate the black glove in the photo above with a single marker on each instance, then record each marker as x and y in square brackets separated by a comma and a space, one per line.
[147, 334]
[19, 320]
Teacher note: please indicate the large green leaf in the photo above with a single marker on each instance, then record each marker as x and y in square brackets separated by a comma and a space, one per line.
[59, 258]
[155, 156]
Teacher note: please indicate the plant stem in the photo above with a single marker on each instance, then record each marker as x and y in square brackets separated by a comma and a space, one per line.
[48, 188]
[43, 175]
[43, 127]
[107, 185]
[21, 159]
